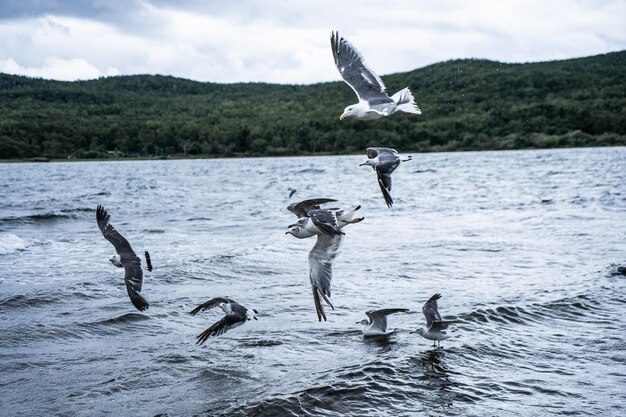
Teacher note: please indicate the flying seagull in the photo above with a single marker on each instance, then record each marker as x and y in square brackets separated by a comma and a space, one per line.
[376, 322]
[126, 257]
[373, 102]
[435, 326]
[322, 223]
[236, 315]
[301, 209]
[384, 161]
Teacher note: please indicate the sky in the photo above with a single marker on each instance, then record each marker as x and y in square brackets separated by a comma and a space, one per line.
[283, 41]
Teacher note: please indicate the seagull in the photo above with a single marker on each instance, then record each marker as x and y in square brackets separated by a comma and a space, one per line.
[374, 102]
[236, 315]
[384, 161]
[323, 223]
[126, 258]
[376, 322]
[301, 209]
[434, 329]
[317, 221]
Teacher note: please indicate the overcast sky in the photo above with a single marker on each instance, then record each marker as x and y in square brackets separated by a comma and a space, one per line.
[288, 41]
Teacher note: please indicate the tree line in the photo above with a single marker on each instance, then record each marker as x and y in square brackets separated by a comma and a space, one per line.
[466, 105]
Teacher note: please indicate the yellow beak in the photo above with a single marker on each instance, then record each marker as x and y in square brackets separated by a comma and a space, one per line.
[343, 116]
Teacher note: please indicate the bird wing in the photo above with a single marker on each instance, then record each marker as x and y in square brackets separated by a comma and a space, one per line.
[109, 232]
[388, 161]
[431, 311]
[302, 208]
[212, 303]
[366, 84]
[326, 221]
[372, 153]
[378, 318]
[133, 277]
[384, 182]
[230, 321]
[321, 258]
[133, 273]
[440, 324]
[148, 261]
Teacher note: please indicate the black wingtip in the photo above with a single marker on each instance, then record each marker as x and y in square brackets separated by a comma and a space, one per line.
[386, 194]
[138, 301]
[434, 297]
[148, 261]
[319, 309]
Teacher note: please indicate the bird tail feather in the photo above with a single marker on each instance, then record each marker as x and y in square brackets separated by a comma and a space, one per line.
[405, 102]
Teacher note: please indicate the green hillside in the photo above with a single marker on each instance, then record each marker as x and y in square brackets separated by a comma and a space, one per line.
[466, 105]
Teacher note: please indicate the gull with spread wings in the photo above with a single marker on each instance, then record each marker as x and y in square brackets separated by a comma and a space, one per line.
[126, 258]
[301, 209]
[236, 315]
[323, 223]
[384, 161]
[374, 102]
[376, 322]
[435, 326]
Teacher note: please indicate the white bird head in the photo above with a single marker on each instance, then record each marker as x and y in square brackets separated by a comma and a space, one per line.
[297, 229]
[116, 260]
[420, 331]
[364, 322]
[371, 162]
[358, 110]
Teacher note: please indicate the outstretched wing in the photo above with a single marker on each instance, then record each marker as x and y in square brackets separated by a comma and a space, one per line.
[133, 274]
[302, 208]
[321, 259]
[109, 232]
[326, 221]
[431, 311]
[148, 261]
[212, 303]
[228, 322]
[133, 277]
[384, 182]
[366, 84]
[378, 318]
[440, 325]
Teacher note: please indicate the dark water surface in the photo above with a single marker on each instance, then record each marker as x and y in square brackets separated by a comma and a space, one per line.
[522, 245]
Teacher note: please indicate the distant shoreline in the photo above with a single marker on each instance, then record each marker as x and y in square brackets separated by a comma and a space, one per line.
[196, 157]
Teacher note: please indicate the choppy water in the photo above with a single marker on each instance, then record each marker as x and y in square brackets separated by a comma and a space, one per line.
[522, 245]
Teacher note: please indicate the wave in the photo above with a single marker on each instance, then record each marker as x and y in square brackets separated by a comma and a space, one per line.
[401, 388]
[124, 318]
[38, 218]
[50, 216]
[580, 307]
[10, 243]
[27, 301]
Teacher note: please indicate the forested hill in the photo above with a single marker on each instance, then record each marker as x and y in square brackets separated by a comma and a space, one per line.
[466, 105]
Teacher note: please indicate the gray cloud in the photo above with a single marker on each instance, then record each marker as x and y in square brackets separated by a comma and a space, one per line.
[287, 42]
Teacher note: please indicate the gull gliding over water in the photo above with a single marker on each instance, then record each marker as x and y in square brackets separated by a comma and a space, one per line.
[305, 229]
[236, 315]
[376, 322]
[384, 161]
[126, 258]
[374, 102]
[302, 208]
[435, 326]
[323, 223]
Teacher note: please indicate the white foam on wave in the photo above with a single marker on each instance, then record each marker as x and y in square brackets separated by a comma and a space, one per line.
[10, 243]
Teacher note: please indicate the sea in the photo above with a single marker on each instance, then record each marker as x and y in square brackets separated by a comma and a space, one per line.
[525, 248]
